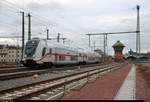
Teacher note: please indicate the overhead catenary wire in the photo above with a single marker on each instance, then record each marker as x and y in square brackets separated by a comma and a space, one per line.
[13, 10]
[42, 18]
[37, 16]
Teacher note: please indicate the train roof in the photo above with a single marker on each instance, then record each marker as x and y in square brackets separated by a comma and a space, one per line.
[53, 44]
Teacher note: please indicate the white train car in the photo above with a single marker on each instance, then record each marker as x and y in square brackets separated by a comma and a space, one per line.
[39, 52]
[93, 57]
[42, 52]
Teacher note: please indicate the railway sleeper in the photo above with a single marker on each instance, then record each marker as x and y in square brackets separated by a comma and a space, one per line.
[35, 98]
[50, 94]
[43, 85]
[56, 93]
[59, 94]
[43, 96]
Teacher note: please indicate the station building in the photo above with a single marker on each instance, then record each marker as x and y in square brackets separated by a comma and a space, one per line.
[10, 54]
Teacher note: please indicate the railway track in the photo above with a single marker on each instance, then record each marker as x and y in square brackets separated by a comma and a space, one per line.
[10, 66]
[56, 87]
[12, 73]
[10, 70]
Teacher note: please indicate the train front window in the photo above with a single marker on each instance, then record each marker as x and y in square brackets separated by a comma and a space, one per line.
[44, 51]
[31, 47]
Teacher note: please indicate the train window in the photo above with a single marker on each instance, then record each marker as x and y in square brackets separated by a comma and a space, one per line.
[44, 51]
[50, 50]
[91, 58]
[61, 58]
[74, 58]
[30, 47]
[56, 58]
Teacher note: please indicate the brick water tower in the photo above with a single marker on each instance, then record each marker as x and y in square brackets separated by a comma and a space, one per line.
[118, 48]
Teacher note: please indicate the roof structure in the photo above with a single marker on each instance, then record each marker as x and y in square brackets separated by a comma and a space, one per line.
[118, 44]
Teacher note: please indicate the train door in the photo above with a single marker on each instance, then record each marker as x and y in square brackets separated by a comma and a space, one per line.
[51, 57]
[56, 57]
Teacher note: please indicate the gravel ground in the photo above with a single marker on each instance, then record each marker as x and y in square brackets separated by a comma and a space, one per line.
[104, 88]
[142, 90]
[28, 80]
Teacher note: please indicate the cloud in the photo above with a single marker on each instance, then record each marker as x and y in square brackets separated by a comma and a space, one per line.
[74, 18]
[50, 7]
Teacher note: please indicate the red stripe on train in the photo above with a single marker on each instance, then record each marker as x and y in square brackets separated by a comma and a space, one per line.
[55, 54]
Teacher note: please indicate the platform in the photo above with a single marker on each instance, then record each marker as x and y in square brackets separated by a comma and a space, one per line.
[104, 88]
[128, 90]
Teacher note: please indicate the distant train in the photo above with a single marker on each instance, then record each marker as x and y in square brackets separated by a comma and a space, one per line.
[44, 52]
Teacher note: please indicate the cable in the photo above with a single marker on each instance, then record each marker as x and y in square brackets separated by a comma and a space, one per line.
[19, 8]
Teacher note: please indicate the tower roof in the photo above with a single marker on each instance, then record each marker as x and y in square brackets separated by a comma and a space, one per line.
[118, 44]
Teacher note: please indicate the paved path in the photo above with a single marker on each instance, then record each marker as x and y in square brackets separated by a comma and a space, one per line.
[127, 90]
[104, 88]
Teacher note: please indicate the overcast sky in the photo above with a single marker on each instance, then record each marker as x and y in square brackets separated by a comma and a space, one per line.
[75, 18]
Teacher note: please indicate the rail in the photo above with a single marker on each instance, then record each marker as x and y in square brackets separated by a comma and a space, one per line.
[64, 82]
[24, 73]
[61, 81]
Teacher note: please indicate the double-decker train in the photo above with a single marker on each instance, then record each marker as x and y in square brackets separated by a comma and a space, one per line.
[45, 52]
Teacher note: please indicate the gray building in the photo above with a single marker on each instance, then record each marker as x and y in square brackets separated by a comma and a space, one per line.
[10, 54]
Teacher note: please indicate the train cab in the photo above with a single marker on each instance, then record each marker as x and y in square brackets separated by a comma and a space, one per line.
[29, 52]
